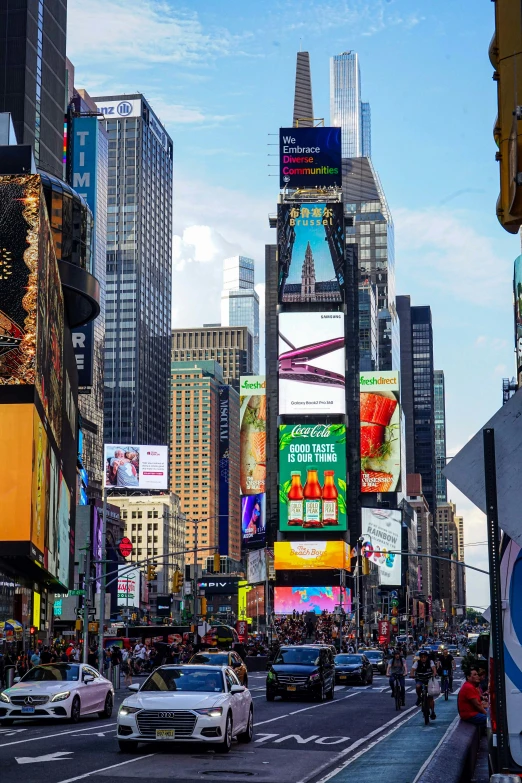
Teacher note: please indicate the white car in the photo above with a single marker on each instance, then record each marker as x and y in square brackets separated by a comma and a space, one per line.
[187, 704]
[57, 690]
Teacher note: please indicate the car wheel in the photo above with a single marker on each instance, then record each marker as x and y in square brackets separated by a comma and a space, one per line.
[331, 692]
[107, 710]
[225, 746]
[270, 696]
[248, 733]
[75, 710]
[321, 696]
[128, 746]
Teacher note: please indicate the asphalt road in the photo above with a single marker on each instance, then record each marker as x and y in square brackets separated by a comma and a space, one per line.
[321, 733]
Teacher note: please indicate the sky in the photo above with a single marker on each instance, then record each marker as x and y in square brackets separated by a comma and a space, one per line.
[220, 75]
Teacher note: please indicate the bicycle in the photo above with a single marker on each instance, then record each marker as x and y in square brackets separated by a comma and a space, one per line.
[445, 683]
[397, 693]
[424, 696]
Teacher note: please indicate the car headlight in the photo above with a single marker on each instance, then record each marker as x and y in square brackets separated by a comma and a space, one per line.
[61, 696]
[212, 712]
[356, 671]
[315, 676]
[125, 709]
[5, 697]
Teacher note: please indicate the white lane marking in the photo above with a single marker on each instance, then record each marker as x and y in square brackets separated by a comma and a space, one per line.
[297, 737]
[59, 734]
[104, 769]
[315, 706]
[58, 756]
[450, 728]
[101, 733]
[339, 687]
[260, 738]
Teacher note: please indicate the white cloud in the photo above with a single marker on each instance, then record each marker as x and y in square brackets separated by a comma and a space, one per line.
[364, 17]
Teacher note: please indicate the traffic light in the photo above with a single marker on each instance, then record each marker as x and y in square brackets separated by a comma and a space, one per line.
[177, 581]
[505, 54]
[151, 573]
[32, 630]
[203, 601]
[365, 562]
[217, 563]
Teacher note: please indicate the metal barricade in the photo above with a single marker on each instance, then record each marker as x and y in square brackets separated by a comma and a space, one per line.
[115, 677]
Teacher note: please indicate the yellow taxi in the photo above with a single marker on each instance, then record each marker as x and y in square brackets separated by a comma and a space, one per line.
[230, 658]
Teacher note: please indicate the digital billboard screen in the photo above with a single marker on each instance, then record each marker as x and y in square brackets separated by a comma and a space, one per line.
[256, 566]
[518, 313]
[309, 599]
[306, 555]
[310, 157]
[311, 363]
[136, 467]
[311, 252]
[380, 432]
[252, 437]
[253, 520]
[381, 530]
[312, 477]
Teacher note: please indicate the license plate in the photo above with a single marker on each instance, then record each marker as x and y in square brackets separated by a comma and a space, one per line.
[342, 676]
[165, 734]
[291, 687]
[27, 710]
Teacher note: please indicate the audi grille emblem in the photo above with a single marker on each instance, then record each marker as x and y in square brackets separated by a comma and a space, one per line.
[29, 700]
[166, 714]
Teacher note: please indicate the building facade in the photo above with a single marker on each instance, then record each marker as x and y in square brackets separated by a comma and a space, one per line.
[232, 347]
[240, 301]
[139, 272]
[347, 110]
[448, 549]
[441, 484]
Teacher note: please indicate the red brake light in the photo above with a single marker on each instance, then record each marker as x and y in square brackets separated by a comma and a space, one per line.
[492, 697]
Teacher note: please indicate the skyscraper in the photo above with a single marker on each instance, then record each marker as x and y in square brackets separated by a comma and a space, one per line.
[231, 346]
[347, 110]
[240, 301]
[139, 270]
[32, 76]
[441, 487]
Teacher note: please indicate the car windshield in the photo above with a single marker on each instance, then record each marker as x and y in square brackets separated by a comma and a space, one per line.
[186, 680]
[298, 655]
[211, 659]
[373, 654]
[348, 659]
[56, 672]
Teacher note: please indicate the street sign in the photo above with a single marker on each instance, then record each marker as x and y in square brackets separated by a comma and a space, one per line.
[76, 592]
[466, 469]
[125, 547]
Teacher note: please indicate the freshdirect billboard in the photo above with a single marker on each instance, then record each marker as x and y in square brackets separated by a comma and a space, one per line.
[380, 432]
[306, 555]
[309, 599]
[310, 157]
[252, 439]
[136, 467]
[381, 530]
[311, 363]
[312, 476]
[311, 250]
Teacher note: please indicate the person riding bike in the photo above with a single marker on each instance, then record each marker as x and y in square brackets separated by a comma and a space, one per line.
[397, 670]
[422, 670]
[447, 663]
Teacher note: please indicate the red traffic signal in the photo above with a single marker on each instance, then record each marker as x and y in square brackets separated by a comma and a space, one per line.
[33, 630]
[125, 547]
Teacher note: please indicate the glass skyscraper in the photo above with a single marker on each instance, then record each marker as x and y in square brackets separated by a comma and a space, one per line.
[239, 300]
[139, 272]
[347, 110]
[441, 487]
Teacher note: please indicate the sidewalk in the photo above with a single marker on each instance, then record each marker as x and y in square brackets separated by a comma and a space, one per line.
[400, 754]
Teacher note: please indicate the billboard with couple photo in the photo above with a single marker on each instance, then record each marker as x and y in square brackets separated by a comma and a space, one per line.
[136, 467]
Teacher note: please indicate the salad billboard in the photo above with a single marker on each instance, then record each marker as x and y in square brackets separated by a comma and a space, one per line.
[312, 477]
[380, 432]
[252, 439]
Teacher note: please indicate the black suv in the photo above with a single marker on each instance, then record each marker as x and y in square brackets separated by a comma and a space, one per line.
[301, 670]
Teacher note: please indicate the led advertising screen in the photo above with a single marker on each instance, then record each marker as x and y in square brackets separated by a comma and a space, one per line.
[381, 530]
[312, 476]
[253, 520]
[311, 363]
[309, 599]
[310, 157]
[252, 438]
[380, 432]
[518, 313]
[256, 567]
[128, 587]
[306, 555]
[136, 467]
[311, 252]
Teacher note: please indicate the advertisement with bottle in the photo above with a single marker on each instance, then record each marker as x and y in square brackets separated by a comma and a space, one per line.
[252, 434]
[312, 476]
[311, 363]
[381, 530]
[309, 599]
[306, 555]
[380, 431]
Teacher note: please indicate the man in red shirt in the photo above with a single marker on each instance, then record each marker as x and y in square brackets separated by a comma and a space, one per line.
[469, 701]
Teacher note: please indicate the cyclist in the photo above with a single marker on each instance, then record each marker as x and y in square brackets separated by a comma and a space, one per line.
[421, 670]
[447, 663]
[397, 670]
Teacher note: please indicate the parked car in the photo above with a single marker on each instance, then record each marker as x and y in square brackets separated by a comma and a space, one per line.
[350, 667]
[377, 659]
[57, 690]
[223, 658]
[301, 670]
[187, 703]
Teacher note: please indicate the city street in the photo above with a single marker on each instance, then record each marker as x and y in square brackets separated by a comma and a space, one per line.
[327, 733]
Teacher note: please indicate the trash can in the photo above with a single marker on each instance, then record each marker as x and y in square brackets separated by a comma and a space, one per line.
[115, 677]
[9, 676]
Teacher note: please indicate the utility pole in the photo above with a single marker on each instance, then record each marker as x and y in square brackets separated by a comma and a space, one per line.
[103, 580]
[195, 613]
[341, 595]
[357, 596]
[86, 598]
[127, 609]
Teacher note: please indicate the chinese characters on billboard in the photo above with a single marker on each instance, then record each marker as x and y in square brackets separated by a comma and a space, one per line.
[311, 363]
[309, 599]
[310, 157]
[380, 432]
[252, 418]
[381, 530]
[253, 520]
[305, 555]
[310, 240]
[312, 477]
[136, 467]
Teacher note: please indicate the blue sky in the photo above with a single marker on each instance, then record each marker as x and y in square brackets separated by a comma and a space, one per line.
[220, 74]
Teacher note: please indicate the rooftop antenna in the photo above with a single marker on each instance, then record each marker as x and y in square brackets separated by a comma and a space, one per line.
[300, 44]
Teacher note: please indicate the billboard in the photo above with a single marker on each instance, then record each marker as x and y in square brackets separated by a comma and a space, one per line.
[252, 438]
[224, 465]
[306, 555]
[83, 344]
[311, 363]
[311, 250]
[219, 585]
[120, 108]
[253, 520]
[517, 284]
[136, 467]
[309, 599]
[64, 510]
[381, 530]
[128, 587]
[256, 567]
[380, 431]
[312, 477]
[310, 157]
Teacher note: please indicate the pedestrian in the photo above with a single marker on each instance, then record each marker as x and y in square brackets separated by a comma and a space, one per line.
[469, 701]
[125, 665]
[35, 658]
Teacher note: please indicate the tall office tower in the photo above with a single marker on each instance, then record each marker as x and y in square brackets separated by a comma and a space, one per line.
[441, 484]
[368, 330]
[347, 110]
[303, 103]
[419, 503]
[461, 570]
[195, 456]
[139, 272]
[239, 300]
[417, 393]
[32, 75]
[231, 346]
[448, 549]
